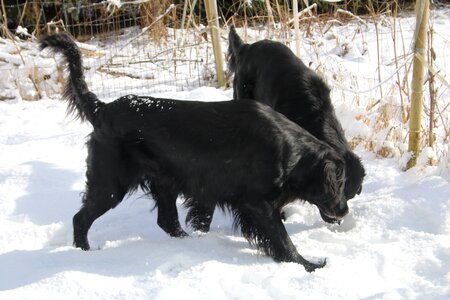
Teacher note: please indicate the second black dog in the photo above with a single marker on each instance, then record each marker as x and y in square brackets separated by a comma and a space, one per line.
[239, 155]
[271, 73]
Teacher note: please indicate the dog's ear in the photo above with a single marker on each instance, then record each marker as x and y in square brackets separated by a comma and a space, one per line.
[355, 173]
[332, 174]
[329, 172]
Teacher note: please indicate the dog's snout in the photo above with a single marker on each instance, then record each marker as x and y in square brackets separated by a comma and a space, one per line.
[341, 209]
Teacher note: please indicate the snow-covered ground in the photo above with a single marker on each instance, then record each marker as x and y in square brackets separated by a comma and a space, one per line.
[394, 244]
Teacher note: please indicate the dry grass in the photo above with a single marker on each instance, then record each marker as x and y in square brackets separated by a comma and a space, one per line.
[150, 11]
[387, 119]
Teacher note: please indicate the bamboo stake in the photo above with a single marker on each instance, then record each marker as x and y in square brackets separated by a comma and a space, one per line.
[422, 12]
[213, 24]
[296, 27]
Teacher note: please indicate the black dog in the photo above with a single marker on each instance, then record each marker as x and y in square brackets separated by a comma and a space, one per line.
[239, 155]
[271, 73]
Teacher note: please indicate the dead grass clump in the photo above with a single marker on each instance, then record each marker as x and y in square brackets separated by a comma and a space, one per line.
[150, 11]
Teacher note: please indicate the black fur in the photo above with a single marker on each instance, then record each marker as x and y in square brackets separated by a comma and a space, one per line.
[239, 155]
[271, 73]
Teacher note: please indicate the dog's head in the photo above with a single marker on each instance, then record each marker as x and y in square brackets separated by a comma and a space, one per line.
[353, 179]
[322, 183]
[333, 206]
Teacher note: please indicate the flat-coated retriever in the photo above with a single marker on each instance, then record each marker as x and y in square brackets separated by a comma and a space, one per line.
[238, 155]
[271, 73]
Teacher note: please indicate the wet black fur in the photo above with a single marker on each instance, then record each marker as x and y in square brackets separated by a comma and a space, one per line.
[271, 73]
[238, 155]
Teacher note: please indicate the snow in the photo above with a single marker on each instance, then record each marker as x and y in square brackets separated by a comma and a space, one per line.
[394, 244]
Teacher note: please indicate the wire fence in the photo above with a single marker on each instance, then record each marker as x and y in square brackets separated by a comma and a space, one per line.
[131, 40]
[148, 47]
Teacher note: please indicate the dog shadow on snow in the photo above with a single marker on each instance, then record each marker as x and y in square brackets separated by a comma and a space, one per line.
[132, 257]
[49, 197]
[130, 240]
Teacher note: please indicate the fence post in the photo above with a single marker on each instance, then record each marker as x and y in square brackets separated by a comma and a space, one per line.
[213, 24]
[422, 12]
[296, 27]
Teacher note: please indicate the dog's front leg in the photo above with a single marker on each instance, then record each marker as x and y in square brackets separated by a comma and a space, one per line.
[261, 225]
[166, 197]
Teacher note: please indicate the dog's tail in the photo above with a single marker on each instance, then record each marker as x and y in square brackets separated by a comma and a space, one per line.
[84, 104]
[234, 45]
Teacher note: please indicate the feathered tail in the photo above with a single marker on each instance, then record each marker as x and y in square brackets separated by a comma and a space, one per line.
[234, 45]
[84, 104]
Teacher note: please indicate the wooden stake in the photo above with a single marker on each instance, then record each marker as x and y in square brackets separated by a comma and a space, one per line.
[213, 24]
[422, 13]
[296, 27]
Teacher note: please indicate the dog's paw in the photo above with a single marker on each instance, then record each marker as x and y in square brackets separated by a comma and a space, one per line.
[311, 267]
[82, 244]
[179, 234]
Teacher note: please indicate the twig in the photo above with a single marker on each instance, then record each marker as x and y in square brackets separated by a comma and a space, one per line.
[153, 61]
[402, 103]
[270, 13]
[447, 132]
[378, 45]
[305, 11]
[432, 88]
[23, 12]
[433, 70]
[345, 12]
[380, 83]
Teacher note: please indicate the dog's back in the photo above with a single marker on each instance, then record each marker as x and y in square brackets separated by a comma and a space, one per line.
[278, 77]
[145, 125]
[271, 73]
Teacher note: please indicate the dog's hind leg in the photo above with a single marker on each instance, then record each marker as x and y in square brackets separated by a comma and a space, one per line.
[261, 224]
[104, 189]
[97, 201]
[88, 213]
[166, 195]
[199, 216]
